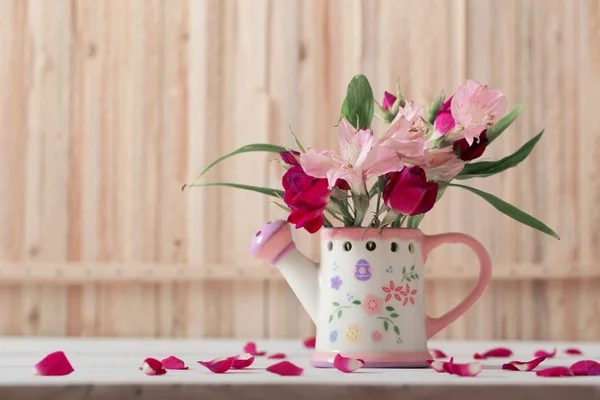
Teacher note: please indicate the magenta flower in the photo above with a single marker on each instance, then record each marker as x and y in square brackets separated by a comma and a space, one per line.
[307, 197]
[392, 290]
[372, 304]
[409, 295]
[289, 157]
[468, 153]
[336, 282]
[444, 122]
[388, 101]
[409, 192]
[357, 160]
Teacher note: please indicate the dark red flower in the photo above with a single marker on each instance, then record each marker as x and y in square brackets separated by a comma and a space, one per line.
[307, 197]
[388, 101]
[288, 157]
[409, 192]
[444, 121]
[468, 153]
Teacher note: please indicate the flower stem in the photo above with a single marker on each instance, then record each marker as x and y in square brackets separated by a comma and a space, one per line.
[339, 308]
[387, 319]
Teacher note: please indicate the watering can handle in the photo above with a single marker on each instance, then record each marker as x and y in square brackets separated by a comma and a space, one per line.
[434, 325]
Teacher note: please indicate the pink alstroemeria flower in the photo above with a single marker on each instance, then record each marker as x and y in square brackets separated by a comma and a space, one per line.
[357, 160]
[441, 164]
[406, 134]
[475, 107]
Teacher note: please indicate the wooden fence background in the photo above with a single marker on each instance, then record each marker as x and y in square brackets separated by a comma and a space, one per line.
[108, 106]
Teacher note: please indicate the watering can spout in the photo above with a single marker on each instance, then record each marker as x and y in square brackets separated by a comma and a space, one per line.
[273, 243]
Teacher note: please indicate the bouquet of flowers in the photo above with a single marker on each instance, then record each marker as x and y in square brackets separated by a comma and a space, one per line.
[404, 171]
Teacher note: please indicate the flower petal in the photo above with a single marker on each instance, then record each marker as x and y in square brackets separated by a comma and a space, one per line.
[403, 293]
[495, 352]
[54, 364]
[242, 360]
[389, 296]
[437, 365]
[468, 369]
[392, 285]
[276, 356]
[152, 366]
[385, 289]
[173, 362]
[554, 372]
[311, 342]
[285, 368]
[543, 353]
[573, 351]
[436, 353]
[405, 301]
[250, 348]
[398, 289]
[586, 368]
[523, 365]
[218, 365]
[346, 364]
[397, 297]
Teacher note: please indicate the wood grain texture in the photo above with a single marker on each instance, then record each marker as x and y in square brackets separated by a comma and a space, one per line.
[109, 107]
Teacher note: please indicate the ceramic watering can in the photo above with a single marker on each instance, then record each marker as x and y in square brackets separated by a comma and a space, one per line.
[367, 297]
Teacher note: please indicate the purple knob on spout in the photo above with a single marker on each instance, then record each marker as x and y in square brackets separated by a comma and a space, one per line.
[272, 241]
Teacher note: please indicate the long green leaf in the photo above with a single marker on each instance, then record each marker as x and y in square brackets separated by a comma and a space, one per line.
[256, 147]
[488, 168]
[268, 191]
[358, 106]
[495, 130]
[510, 210]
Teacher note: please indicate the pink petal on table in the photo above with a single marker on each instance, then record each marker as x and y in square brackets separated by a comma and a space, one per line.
[437, 366]
[574, 352]
[346, 364]
[543, 353]
[276, 356]
[310, 342]
[468, 369]
[448, 365]
[437, 353]
[285, 368]
[173, 362]
[152, 366]
[218, 365]
[243, 360]
[250, 348]
[495, 352]
[586, 367]
[54, 364]
[523, 365]
[554, 372]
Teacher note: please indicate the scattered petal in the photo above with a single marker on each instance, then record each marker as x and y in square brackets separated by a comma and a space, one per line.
[468, 369]
[586, 367]
[243, 360]
[54, 364]
[285, 368]
[250, 348]
[554, 372]
[218, 365]
[495, 352]
[543, 353]
[574, 352]
[437, 353]
[310, 342]
[437, 366]
[173, 362]
[523, 365]
[276, 356]
[346, 364]
[152, 366]
[448, 365]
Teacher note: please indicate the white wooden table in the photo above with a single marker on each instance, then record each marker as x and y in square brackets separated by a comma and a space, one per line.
[108, 370]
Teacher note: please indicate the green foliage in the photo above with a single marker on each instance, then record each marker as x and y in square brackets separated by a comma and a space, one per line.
[358, 106]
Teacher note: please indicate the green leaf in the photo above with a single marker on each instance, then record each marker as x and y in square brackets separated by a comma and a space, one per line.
[510, 210]
[386, 325]
[336, 304]
[357, 302]
[414, 221]
[389, 308]
[397, 330]
[330, 318]
[358, 106]
[417, 275]
[268, 191]
[256, 147]
[495, 130]
[408, 279]
[340, 314]
[434, 107]
[403, 270]
[394, 315]
[412, 268]
[487, 168]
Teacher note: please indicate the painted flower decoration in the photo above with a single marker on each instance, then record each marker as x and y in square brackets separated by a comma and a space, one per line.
[392, 290]
[336, 282]
[376, 336]
[409, 295]
[333, 336]
[372, 304]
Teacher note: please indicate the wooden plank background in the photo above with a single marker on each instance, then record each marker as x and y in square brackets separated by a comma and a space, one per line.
[108, 106]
